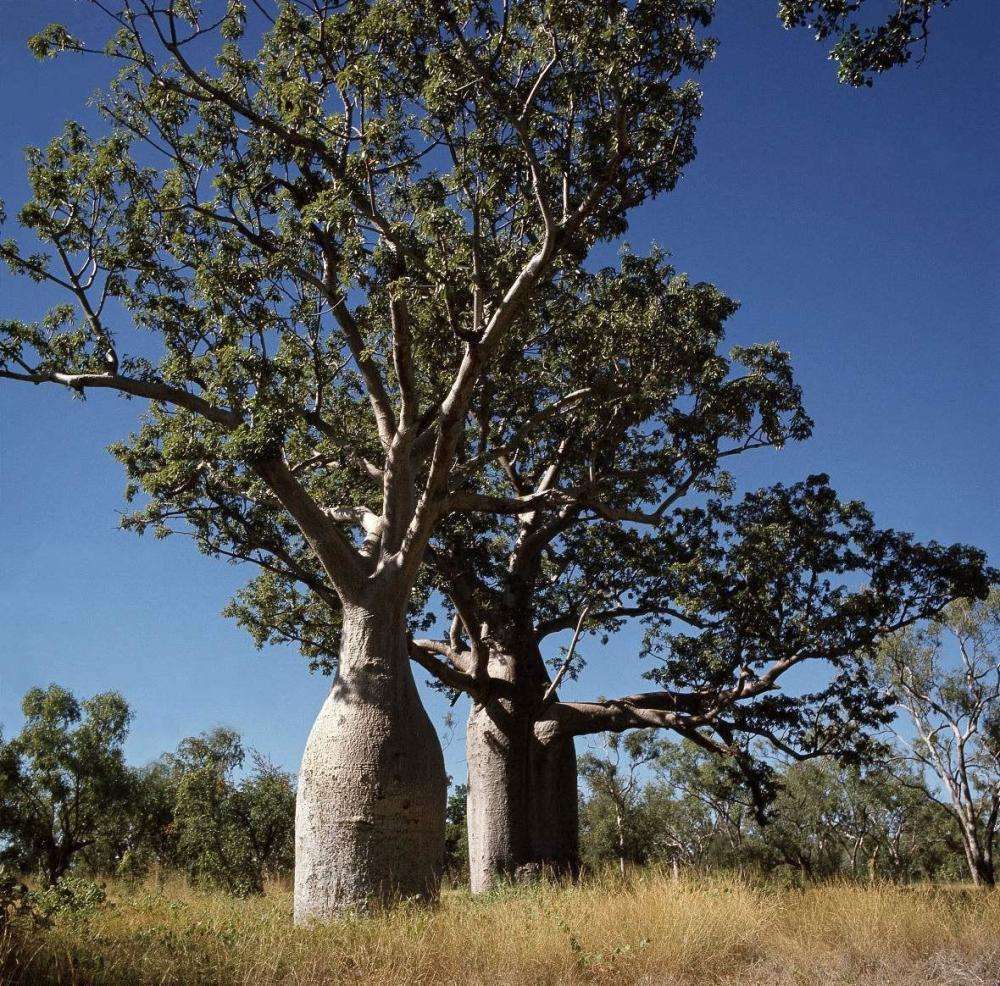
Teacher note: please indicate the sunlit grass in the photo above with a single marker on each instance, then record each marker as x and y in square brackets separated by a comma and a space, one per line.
[647, 929]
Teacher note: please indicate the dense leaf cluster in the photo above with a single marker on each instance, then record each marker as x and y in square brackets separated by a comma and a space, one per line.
[62, 778]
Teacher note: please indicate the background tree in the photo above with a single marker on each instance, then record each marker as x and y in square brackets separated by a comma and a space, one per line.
[235, 833]
[63, 778]
[457, 834]
[649, 800]
[810, 826]
[615, 780]
[860, 822]
[950, 698]
[144, 836]
[342, 232]
[692, 808]
[703, 810]
[894, 832]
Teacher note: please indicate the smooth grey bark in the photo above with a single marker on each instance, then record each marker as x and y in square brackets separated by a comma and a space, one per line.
[522, 811]
[978, 857]
[369, 816]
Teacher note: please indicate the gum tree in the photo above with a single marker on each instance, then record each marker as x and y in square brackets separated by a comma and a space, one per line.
[946, 677]
[307, 258]
[617, 780]
[235, 833]
[654, 411]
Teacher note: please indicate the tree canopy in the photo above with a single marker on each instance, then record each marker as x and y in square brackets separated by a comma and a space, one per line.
[62, 777]
[341, 232]
[307, 252]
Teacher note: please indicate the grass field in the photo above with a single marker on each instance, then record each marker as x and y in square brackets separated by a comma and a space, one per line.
[647, 929]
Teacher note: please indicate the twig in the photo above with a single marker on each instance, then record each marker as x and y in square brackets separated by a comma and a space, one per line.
[551, 690]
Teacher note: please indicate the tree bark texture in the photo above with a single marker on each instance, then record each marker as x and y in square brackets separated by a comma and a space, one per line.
[522, 801]
[369, 817]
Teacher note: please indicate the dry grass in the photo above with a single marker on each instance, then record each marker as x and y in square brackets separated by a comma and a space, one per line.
[647, 930]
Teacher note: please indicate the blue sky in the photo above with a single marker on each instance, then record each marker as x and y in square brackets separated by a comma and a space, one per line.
[858, 228]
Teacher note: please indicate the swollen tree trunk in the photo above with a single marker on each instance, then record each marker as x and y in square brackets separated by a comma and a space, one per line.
[522, 801]
[369, 816]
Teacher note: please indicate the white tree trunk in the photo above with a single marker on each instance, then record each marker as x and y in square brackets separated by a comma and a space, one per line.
[369, 817]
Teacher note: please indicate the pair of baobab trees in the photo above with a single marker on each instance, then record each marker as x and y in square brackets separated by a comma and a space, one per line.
[384, 373]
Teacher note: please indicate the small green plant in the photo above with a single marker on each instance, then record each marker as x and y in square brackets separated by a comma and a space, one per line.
[71, 895]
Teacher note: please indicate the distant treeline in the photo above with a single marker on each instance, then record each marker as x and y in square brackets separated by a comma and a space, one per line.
[224, 815]
[70, 803]
[827, 820]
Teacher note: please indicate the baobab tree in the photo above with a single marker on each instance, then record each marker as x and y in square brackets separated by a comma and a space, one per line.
[307, 259]
[735, 595]
[523, 807]
[626, 438]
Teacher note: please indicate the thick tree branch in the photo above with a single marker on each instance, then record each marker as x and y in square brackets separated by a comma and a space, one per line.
[346, 567]
[154, 390]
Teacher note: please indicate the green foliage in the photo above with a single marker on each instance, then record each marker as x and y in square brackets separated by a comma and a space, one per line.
[235, 833]
[70, 896]
[69, 804]
[787, 576]
[146, 836]
[864, 51]
[62, 778]
[614, 819]
[688, 806]
[51, 40]
[368, 165]
[456, 833]
[830, 821]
